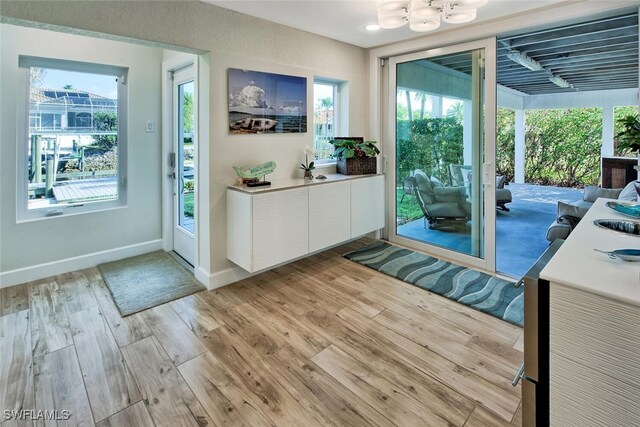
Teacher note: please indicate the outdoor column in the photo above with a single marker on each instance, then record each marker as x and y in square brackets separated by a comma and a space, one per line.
[436, 106]
[607, 132]
[520, 148]
[467, 132]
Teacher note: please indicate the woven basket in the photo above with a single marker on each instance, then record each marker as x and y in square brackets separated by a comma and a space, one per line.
[357, 166]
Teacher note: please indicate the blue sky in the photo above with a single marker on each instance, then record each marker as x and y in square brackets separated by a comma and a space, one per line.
[93, 83]
[265, 90]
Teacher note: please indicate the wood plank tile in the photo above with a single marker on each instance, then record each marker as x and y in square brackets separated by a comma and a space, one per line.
[59, 387]
[255, 332]
[309, 383]
[293, 331]
[450, 343]
[107, 379]
[412, 302]
[76, 291]
[467, 383]
[253, 376]
[174, 335]
[49, 325]
[14, 299]
[167, 397]
[395, 403]
[197, 314]
[135, 415]
[283, 298]
[385, 359]
[519, 345]
[16, 370]
[221, 396]
[482, 417]
[266, 282]
[445, 308]
[517, 418]
[341, 296]
[125, 330]
[497, 349]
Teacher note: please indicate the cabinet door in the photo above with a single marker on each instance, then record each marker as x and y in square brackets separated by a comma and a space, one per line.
[329, 215]
[367, 205]
[280, 227]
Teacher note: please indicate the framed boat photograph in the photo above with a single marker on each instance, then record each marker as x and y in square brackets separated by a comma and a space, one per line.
[266, 103]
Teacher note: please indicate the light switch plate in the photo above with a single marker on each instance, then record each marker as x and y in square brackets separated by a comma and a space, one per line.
[150, 126]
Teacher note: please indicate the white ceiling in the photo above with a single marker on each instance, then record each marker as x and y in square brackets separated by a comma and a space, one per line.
[344, 20]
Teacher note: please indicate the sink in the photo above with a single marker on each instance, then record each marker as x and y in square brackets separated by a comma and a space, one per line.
[621, 226]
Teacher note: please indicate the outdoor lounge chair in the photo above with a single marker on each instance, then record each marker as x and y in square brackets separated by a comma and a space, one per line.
[442, 206]
[460, 176]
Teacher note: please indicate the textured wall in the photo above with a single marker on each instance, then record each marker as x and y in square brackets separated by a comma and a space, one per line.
[233, 40]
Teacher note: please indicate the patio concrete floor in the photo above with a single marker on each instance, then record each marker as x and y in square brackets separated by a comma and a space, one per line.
[520, 233]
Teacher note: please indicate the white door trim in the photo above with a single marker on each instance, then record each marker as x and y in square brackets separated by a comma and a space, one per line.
[488, 263]
[174, 64]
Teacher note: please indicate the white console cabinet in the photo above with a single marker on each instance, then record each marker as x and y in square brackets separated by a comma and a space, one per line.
[273, 225]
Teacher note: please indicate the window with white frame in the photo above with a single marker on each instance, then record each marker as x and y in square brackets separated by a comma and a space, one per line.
[325, 116]
[73, 145]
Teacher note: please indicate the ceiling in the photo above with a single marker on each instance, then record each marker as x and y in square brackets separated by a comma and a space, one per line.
[596, 55]
[344, 20]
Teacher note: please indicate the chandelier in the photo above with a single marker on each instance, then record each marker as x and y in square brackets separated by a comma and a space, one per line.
[426, 15]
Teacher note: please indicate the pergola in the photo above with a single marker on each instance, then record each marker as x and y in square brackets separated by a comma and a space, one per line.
[591, 64]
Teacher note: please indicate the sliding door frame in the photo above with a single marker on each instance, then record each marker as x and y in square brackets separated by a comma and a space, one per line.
[488, 262]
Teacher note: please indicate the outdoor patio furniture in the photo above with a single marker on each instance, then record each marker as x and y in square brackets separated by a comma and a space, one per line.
[503, 195]
[570, 214]
[442, 207]
[461, 177]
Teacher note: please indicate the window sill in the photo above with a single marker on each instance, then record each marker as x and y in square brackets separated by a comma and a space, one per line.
[328, 164]
[67, 211]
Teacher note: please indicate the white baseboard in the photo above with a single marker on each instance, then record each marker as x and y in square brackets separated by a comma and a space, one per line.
[40, 271]
[221, 278]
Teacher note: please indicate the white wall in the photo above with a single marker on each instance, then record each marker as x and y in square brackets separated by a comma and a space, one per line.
[231, 40]
[38, 242]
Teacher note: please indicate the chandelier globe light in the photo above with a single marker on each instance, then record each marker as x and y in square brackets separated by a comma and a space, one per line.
[425, 15]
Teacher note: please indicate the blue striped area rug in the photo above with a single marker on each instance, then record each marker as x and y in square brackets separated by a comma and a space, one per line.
[480, 291]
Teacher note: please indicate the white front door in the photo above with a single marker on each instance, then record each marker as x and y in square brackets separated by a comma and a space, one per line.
[184, 163]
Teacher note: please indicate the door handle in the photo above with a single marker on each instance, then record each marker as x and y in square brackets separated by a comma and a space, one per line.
[487, 169]
[518, 376]
[172, 175]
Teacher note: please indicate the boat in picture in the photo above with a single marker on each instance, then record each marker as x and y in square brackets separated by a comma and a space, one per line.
[253, 124]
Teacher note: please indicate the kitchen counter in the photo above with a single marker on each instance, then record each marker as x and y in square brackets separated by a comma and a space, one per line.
[577, 265]
[285, 184]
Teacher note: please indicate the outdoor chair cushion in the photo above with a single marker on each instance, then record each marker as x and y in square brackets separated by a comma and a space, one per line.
[591, 193]
[630, 193]
[449, 194]
[446, 210]
[503, 195]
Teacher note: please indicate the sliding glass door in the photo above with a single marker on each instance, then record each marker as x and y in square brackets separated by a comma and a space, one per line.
[442, 191]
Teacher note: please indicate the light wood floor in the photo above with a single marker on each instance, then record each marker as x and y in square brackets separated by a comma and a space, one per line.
[322, 341]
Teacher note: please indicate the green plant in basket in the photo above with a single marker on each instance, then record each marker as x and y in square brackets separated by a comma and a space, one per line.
[348, 148]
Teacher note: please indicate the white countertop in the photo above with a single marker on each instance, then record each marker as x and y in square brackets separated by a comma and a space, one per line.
[284, 184]
[577, 265]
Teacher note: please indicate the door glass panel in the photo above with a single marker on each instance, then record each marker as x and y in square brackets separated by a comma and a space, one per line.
[185, 169]
[439, 151]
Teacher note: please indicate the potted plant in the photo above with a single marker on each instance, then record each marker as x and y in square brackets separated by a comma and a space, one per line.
[629, 137]
[307, 166]
[355, 156]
